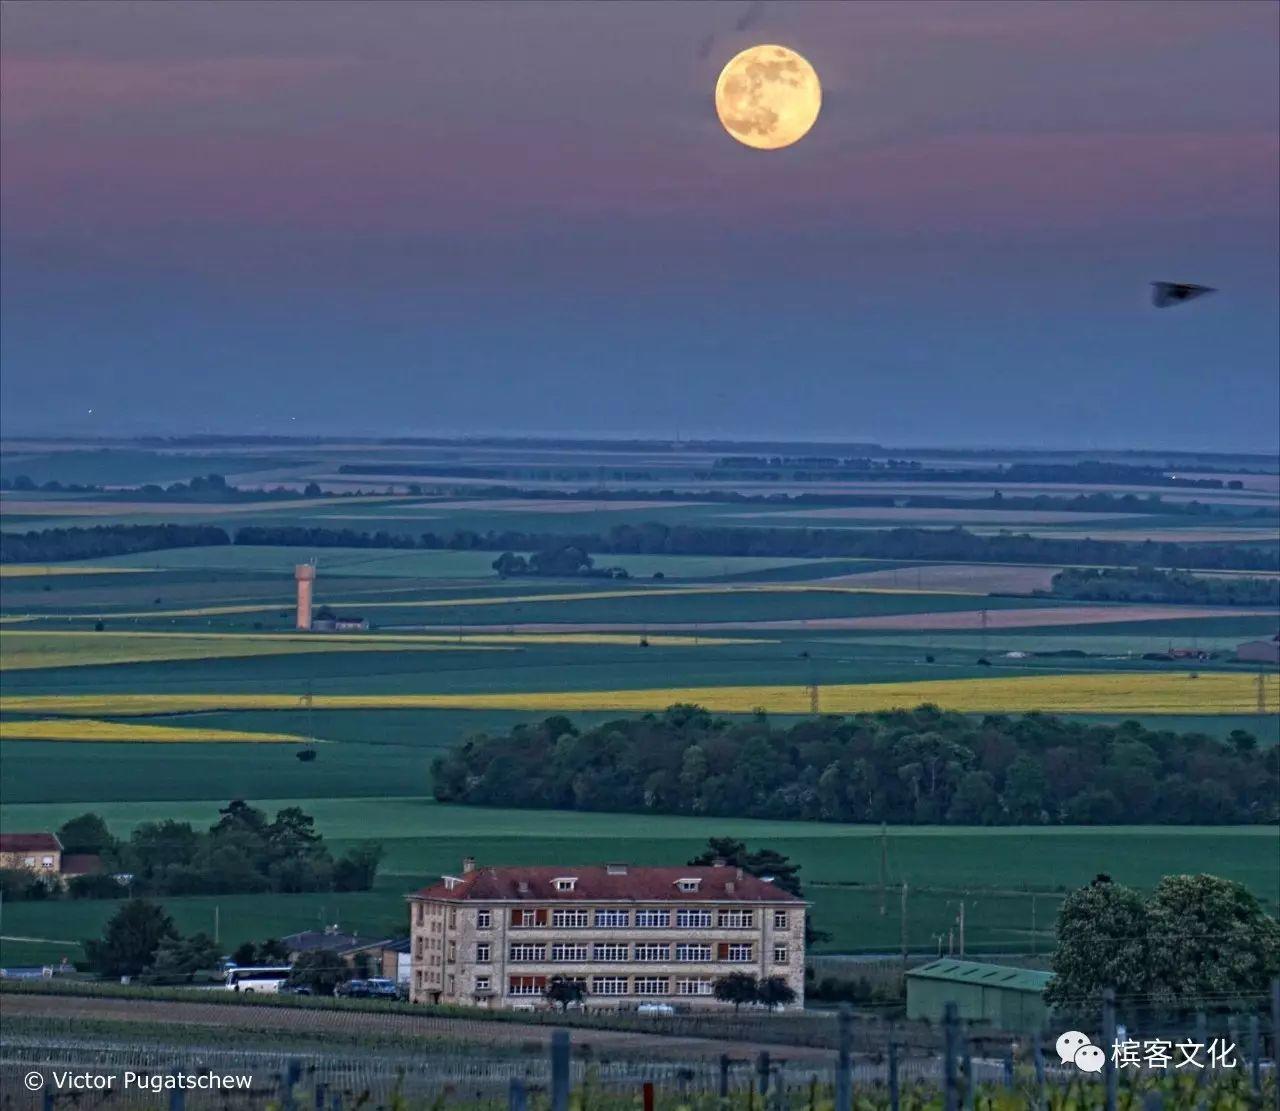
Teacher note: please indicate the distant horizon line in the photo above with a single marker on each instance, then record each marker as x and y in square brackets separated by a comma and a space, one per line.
[608, 442]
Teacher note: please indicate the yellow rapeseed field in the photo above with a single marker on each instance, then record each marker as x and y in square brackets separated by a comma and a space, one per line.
[1093, 693]
[28, 570]
[24, 649]
[86, 729]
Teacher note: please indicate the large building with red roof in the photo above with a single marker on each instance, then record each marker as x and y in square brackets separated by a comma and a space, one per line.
[495, 937]
[31, 852]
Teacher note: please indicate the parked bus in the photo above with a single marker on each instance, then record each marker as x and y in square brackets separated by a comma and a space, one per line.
[266, 981]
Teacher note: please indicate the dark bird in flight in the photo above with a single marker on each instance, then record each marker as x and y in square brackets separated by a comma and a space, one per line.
[1164, 294]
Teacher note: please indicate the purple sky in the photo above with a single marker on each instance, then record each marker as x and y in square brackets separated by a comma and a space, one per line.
[525, 217]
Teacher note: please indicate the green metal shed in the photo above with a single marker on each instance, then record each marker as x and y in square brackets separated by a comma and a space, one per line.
[1005, 997]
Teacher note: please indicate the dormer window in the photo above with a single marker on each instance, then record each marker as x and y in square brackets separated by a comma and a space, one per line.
[688, 884]
[564, 883]
[450, 882]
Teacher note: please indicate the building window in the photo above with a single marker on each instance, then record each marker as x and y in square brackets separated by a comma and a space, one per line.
[525, 952]
[653, 919]
[570, 919]
[647, 951]
[482, 983]
[482, 952]
[608, 985]
[567, 951]
[452, 986]
[564, 883]
[527, 918]
[612, 919]
[453, 917]
[453, 950]
[653, 985]
[605, 951]
[781, 920]
[526, 985]
[694, 986]
[735, 952]
[688, 884]
[779, 954]
[736, 919]
[691, 952]
[693, 919]
[29, 861]
[417, 948]
[484, 920]
[418, 914]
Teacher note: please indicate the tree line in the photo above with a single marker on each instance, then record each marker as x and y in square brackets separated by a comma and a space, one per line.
[921, 766]
[655, 538]
[1151, 584]
[243, 852]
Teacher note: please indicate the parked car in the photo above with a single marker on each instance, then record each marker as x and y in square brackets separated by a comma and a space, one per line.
[296, 989]
[352, 989]
[655, 1009]
[382, 989]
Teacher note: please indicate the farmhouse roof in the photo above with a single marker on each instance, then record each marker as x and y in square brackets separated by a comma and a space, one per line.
[608, 883]
[984, 975]
[29, 843]
[309, 940]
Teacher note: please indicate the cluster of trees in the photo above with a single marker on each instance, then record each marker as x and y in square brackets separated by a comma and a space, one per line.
[567, 561]
[1192, 943]
[1150, 584]
[141, 938]
[904, 766]
[242, 852]
[51, 545]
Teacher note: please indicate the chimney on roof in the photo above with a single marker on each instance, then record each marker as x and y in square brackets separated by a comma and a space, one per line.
[615, 869]
[729, 887]
[468, 864]
[739, 873]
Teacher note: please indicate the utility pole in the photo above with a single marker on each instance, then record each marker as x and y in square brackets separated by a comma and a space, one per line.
[884, 864]
[962, 928]
[1033, 923]
[904, 928]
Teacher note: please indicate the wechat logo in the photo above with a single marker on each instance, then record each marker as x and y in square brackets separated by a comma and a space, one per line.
[1074, 1048]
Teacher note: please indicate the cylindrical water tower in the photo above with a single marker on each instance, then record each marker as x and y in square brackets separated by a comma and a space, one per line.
[305, 574]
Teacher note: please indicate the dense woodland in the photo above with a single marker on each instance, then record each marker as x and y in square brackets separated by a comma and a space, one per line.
[922, 766]
[1149, 584]
[100, 541]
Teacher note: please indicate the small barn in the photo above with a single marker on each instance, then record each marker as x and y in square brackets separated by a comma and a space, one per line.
[1260, 651]
[1004, 997]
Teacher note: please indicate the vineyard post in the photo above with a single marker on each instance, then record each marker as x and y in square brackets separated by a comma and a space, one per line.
[337, 1102]
[1255, 1056]
[724, 1076]
[1108, 1042]
[559, 1070]
[762, 1068]
[966, 1065]
[515, 1095]
[844, 1088]
[177, 1097]
[893, 1074]
[1008, 1067]
[951, 1032]
[320, 1092]
[646, 1095]
[1275, 1025]
[1038, 1058]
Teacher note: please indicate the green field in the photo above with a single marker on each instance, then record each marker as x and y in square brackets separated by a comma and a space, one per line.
[997, 871]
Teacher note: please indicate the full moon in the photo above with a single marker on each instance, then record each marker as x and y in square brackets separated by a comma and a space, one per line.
[768, 97]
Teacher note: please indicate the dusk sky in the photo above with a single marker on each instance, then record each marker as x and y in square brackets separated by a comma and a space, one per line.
[451, 218]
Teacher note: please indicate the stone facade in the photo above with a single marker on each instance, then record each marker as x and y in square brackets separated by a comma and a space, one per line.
[495, 937]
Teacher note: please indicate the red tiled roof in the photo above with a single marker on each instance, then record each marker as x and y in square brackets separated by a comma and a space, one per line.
[82, 864]
[29, 843]
[598, 883]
